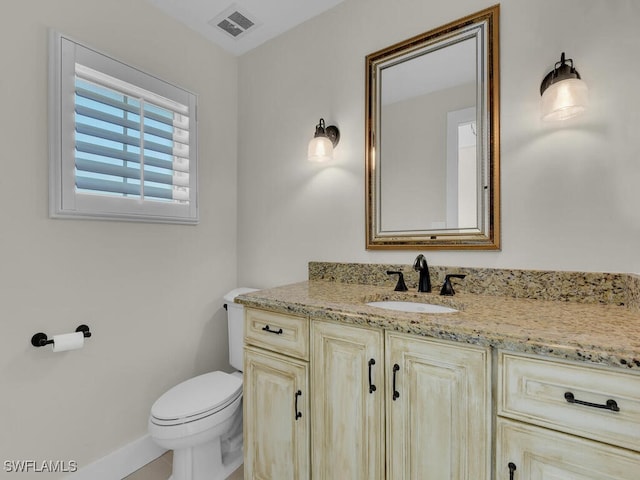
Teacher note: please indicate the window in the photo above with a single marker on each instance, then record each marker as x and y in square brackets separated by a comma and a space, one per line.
[123, 143]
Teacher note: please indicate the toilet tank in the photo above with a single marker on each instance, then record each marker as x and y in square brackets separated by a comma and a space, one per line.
[235, 322]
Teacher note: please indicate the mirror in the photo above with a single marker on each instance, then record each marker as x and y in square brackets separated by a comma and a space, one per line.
[432, 153]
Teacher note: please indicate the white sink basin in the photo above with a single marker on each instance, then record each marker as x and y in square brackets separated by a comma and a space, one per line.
[412, 307]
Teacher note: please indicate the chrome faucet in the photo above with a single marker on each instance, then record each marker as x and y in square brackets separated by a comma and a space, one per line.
[420, 265]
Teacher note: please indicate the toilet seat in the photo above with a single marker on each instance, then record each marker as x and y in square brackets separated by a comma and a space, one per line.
[195, 399]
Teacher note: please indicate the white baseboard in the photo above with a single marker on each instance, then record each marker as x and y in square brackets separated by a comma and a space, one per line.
[122, 462]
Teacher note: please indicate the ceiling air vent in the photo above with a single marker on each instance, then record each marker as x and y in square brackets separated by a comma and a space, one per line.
[234, 22]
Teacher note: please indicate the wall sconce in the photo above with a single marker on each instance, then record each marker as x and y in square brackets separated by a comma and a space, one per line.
[564, 94]
[322, 143]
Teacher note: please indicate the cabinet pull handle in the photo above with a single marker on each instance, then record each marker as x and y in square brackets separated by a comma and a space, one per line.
[610, 405]
[372, 387]
[512, 469]
[396, 393]
[298, 414]
[267, 329]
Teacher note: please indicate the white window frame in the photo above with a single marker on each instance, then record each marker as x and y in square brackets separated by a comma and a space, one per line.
[64, 200]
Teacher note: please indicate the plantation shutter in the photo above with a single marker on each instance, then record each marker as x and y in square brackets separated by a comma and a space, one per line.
[123, 141]
[129, 141]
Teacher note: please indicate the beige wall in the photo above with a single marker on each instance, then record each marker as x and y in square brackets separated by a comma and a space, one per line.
[152, 294]
[570, 193]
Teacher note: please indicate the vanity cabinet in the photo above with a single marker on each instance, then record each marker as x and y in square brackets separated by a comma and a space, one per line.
[560, 420]
[276, 396]
[421, 404]
[328, 400]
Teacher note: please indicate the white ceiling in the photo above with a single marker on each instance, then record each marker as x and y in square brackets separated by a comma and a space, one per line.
[271, 18]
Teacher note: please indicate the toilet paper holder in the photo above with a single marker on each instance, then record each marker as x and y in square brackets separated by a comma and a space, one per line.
[40, 339]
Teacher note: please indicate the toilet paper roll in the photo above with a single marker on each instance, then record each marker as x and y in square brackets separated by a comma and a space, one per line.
[68, 341]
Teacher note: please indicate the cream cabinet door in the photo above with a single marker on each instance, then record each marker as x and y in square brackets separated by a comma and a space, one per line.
[347, 426]
[526, 452]
[276, 417]
[438, 410]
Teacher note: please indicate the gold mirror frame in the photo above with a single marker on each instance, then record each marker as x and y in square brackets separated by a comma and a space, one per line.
[488, 114]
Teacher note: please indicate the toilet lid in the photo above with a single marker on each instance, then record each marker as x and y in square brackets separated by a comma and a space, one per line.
[197, 395]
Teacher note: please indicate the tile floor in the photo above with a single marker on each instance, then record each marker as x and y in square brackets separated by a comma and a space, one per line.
[160, 469]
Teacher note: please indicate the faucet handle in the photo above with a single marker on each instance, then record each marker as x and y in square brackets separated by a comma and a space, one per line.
[447, 287]
[400, 286]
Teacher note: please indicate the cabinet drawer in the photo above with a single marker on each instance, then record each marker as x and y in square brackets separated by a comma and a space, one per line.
[553, 394]
[286, 334]
[537, 453]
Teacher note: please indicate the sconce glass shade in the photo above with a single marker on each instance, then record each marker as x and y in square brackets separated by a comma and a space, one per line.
[322, 143]
[564, 94]
[320, 149]
[565, 99]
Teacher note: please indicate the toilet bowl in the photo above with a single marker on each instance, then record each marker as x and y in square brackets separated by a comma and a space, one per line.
[193, 418]
[200, 419]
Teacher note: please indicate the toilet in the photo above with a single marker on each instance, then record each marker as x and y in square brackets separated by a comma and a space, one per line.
[200, 419]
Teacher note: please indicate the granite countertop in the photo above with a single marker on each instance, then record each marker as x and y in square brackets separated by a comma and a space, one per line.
[604, 334]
